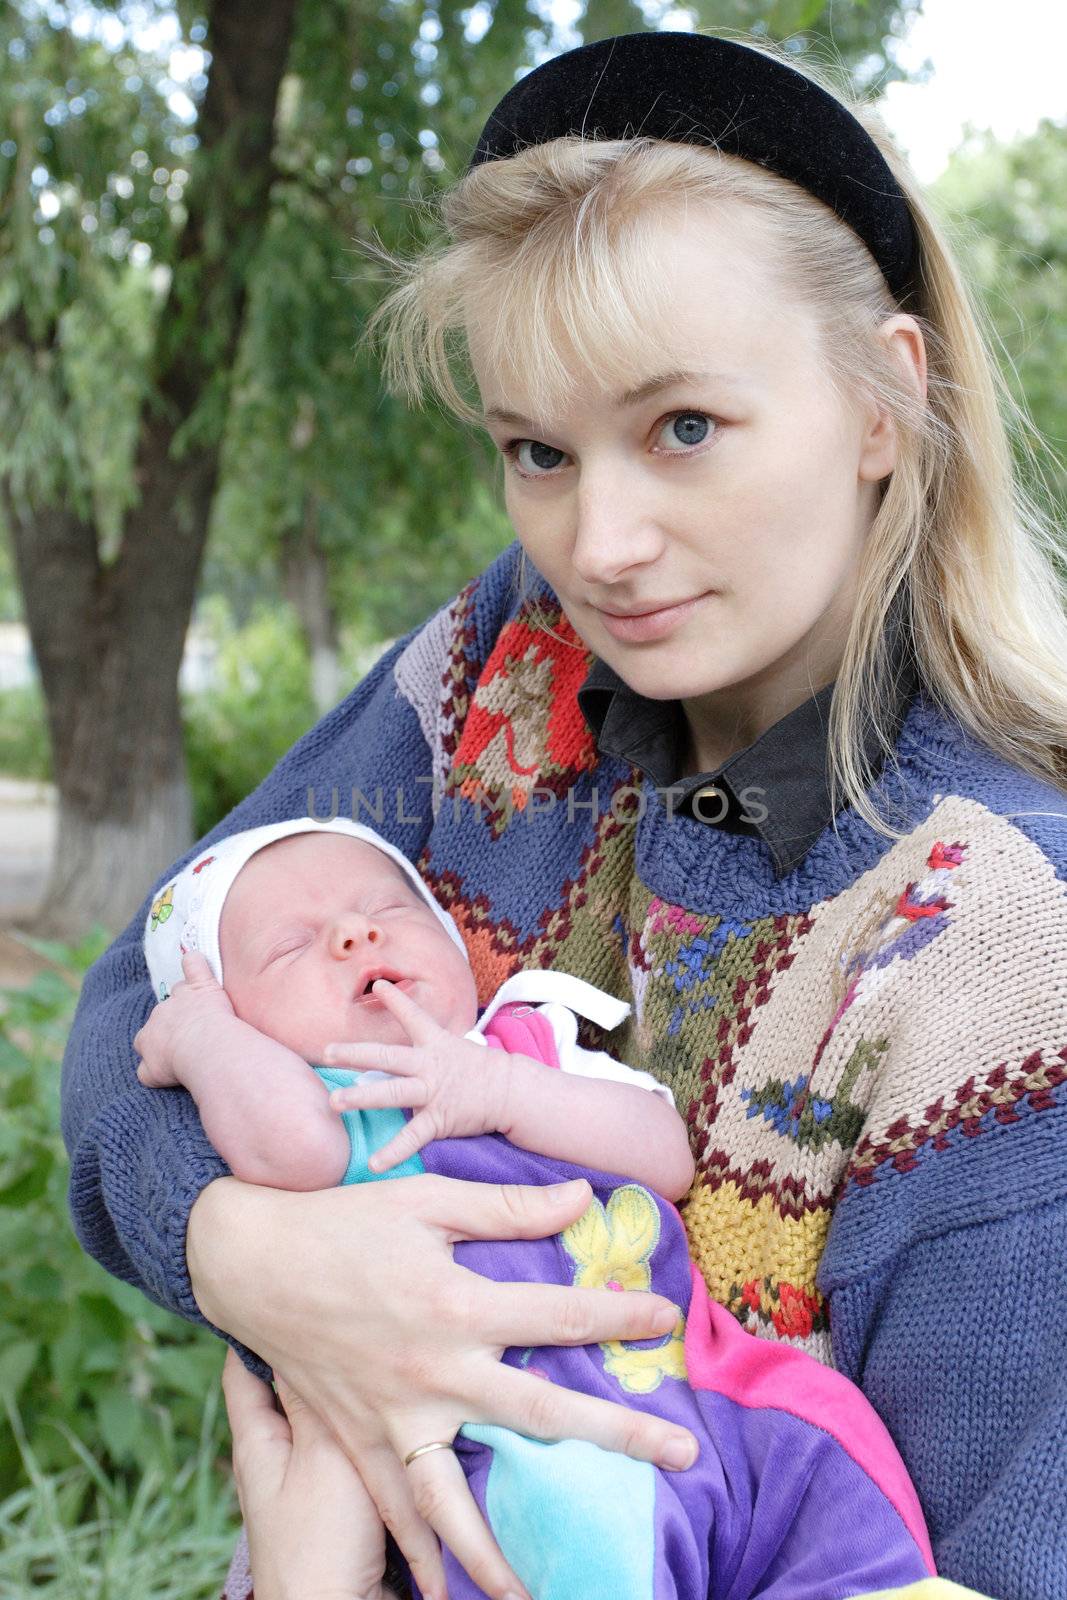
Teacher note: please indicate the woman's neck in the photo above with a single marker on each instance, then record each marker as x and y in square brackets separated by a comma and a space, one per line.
[719, 725]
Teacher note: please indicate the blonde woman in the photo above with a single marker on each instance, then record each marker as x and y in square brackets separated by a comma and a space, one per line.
[760, 725]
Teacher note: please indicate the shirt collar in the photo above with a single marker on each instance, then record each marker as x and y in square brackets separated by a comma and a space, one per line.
[777, 789]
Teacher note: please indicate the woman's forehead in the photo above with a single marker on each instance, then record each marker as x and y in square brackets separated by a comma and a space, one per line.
[704, 304]
[706, 338]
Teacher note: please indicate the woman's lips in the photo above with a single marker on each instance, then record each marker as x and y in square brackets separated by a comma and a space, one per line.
[643, 626]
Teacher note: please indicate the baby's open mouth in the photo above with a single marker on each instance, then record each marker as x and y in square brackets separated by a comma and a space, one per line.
[363, 995]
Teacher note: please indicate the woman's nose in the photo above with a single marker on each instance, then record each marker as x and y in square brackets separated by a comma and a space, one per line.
[350, 933]
[614, 529]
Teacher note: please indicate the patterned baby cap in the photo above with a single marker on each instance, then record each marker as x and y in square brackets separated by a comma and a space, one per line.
[186, 913]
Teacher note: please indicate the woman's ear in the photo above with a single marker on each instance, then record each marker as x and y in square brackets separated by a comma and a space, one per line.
[903, 339]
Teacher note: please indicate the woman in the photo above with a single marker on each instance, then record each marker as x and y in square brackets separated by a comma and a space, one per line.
[767, 736]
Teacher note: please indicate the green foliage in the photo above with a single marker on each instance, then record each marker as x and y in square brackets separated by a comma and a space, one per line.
[87, 135]
[89, 1370]
[1006, 206]
[24, 748]
[237, 730]
[399, 581]
[82, 1534]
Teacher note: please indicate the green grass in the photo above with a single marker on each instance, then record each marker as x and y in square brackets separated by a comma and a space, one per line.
[78, 1534]
[114, 1479]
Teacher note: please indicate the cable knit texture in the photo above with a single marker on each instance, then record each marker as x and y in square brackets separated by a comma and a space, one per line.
[871, 1051]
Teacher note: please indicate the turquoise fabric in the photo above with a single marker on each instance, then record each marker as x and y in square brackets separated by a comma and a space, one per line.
[570, 1487]
[368, 1131]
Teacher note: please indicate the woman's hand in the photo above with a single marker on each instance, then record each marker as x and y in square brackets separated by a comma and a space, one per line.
[314, 1532]
[353, 1296]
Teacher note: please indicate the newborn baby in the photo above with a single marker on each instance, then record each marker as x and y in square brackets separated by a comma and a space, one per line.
[330, 947]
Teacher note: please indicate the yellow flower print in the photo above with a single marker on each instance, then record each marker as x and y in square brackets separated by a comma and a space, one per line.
[611, 1248]
[162, 908]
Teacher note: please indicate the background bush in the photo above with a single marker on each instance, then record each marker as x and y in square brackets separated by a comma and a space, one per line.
[24, 747]
[259, 706]
[102, 1490]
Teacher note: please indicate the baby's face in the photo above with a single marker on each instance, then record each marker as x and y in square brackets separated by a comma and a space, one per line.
[307, 926]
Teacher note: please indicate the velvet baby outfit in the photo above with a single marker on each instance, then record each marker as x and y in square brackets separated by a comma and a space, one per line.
[798, 1493]
[869, 1043]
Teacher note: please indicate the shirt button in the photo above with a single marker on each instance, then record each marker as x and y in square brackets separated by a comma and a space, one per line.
[710, 804]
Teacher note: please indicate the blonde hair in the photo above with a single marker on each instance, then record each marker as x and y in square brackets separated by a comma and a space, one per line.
[565, 233]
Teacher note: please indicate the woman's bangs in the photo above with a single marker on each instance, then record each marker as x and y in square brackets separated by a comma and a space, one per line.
[554, 310]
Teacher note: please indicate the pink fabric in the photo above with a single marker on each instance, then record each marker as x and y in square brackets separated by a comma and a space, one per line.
[721, 1356]
[519, 1028]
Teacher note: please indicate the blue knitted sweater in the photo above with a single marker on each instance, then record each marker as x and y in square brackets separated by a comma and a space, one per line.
[871, 1050]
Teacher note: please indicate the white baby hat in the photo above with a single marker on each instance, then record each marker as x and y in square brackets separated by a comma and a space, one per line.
[186, 913]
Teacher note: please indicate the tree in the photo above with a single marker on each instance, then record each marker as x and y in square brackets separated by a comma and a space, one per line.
[1005, 204]
[108, 626]
[179, 298]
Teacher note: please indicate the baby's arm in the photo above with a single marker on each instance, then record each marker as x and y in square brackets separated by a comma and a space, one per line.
[459, 1088]
[262, 1107]
[615, 1127]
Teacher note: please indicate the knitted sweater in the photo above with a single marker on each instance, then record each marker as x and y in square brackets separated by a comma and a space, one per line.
[871, 1050]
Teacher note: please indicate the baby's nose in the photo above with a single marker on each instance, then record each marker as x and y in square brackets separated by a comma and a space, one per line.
[351, 932]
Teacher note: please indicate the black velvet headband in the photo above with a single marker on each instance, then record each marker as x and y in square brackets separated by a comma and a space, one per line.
[691, 88]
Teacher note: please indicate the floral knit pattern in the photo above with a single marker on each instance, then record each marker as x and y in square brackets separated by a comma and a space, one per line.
[808, 1051]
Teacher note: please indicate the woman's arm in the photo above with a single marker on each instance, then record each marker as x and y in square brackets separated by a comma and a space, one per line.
[399, 1350]
[958, 1343]
[263, 1108]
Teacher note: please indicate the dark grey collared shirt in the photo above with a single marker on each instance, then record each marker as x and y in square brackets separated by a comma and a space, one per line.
[778, 789]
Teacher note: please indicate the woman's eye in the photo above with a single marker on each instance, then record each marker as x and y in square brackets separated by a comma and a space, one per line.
[682, 432]
[533, 458]
[685, 430]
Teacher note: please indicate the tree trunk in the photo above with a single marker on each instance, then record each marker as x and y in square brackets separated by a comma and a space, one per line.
[306, 580]
[109, 638]
[108, 642]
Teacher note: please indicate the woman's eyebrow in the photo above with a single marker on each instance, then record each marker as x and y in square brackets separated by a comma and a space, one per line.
[631, 397]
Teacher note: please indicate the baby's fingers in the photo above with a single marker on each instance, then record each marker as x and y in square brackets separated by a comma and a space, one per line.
[408, 1142]
[197, 970]
[381, 1094]
[398, 1058]
[419, 1026]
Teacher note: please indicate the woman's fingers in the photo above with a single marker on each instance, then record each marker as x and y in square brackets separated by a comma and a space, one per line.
[262, 1439]
[381, 1094]
[544, 1410]
[386, 1481]
[250, 1405]
[445, 1501]
[546, 1313]
[466, 1210]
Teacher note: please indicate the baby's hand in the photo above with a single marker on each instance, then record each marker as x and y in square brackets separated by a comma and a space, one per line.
[180, 1032]
[456, 1087]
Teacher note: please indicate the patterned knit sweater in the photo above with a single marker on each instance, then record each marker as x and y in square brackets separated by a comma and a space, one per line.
[871, 1051]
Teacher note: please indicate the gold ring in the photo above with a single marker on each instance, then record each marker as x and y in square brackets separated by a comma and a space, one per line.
[424, 1449]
